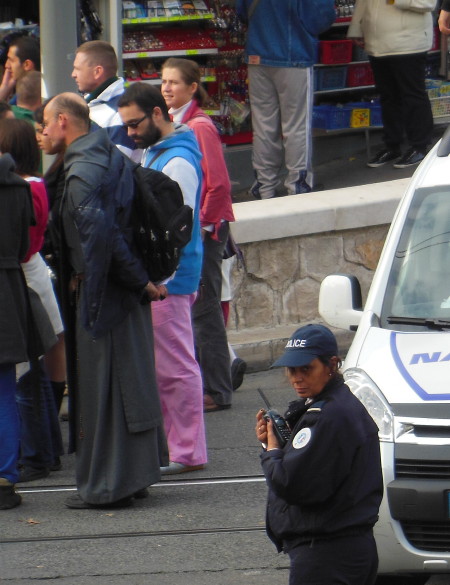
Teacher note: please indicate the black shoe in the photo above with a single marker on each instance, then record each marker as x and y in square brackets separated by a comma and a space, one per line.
[8, 497]
[383, 157]
[409, 159]
[238, 368]
[31, 474]
[75, 502]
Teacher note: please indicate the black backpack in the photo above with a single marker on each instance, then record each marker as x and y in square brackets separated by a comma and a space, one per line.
[162, 223]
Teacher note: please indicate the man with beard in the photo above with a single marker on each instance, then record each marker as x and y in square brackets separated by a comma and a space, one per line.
[115, 407]
[172, 149]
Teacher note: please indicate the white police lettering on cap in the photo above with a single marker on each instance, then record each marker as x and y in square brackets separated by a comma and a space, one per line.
[296, 343]
[302, 438]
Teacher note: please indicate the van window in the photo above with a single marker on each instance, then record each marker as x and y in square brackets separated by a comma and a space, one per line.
[419, 281]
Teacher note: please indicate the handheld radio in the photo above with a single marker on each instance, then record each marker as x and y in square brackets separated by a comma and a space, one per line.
[280, 426]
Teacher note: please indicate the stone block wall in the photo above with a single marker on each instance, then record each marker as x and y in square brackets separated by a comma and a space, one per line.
[280, 282]
[289, 246]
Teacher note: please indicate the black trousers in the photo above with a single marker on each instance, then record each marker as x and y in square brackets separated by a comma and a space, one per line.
[211, 344]
[405, 107]
[350, 560]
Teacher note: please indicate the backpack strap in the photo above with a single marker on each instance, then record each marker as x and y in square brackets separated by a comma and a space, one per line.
[157, 155]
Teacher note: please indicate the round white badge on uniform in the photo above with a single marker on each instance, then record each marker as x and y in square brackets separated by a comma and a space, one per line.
[302, 438]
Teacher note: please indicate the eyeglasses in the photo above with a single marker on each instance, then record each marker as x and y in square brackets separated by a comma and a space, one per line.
[134, 125]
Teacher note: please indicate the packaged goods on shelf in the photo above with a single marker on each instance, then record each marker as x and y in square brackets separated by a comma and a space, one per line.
[163, 9]
[360, 116]
[155, 9]
[200, 6]
[141, 41]
[365, 114]
[133, 10]
[433, 87]
[131, 71]
[437, 88]
[187, 7]
[176, 39]
[172, 8]
[344, 10]
[440, 106]
[444, 88]
[333, 52]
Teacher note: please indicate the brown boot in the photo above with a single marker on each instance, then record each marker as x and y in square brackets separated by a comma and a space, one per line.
[8, 496]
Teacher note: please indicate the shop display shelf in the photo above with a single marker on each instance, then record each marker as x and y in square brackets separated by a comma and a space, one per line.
[167, 19]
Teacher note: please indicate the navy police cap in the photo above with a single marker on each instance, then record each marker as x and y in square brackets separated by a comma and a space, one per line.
[306, 344]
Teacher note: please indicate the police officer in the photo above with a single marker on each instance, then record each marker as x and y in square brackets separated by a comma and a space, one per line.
[325, 485]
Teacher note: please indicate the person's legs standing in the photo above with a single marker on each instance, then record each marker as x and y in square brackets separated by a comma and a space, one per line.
[179, 380]
[209, 327]
[40, 433]
[9, 437]
[295, 92]
[267, 155]
[35, 443]
[417, 114]
[385, 76]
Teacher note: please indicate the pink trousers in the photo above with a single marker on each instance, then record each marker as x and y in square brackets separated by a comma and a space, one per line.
[179, 379]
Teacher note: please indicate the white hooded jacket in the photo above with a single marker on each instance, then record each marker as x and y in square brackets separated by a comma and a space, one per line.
[403, 27]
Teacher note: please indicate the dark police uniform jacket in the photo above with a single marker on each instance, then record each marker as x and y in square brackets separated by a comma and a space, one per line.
[326, 482]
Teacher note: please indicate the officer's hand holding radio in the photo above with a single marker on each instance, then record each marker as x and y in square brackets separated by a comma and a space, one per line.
[264, 431]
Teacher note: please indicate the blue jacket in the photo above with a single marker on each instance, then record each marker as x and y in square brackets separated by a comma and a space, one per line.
[284, 34]
[327, 480]
[182, 143]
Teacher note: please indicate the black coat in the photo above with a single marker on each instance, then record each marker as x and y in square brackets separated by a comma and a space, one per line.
[96, 217]
[16, 215]
[327, 480]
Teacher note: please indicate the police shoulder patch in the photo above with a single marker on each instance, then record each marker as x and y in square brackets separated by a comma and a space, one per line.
[302, 438]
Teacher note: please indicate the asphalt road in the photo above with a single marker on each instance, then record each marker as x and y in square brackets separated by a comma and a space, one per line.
[205, 527]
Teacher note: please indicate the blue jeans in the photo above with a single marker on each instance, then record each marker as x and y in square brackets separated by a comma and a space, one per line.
[9, 423]
[40, 436]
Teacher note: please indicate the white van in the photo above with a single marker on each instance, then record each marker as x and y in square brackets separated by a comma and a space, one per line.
[399, 367]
